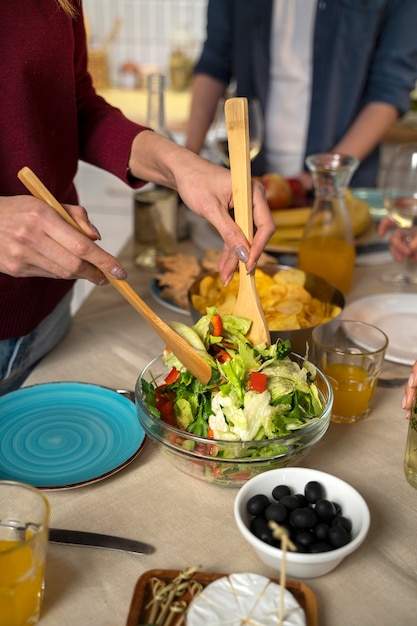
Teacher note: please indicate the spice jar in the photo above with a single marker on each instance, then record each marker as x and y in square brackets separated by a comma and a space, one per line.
[155, 225]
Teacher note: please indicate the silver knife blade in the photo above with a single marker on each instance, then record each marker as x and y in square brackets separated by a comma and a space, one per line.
[98, 540]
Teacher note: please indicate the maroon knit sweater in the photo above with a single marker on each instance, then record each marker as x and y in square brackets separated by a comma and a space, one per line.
[50, 116]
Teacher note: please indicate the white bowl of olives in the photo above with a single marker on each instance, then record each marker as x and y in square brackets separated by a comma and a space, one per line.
[323, 518]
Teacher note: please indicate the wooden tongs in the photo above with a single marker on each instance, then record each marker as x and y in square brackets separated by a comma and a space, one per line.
[188, 356]
[247, 304]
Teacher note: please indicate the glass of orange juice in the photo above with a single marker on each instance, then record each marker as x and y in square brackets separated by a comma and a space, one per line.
[24, 518]
[350, 353]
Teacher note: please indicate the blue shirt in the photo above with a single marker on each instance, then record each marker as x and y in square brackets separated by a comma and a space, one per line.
[363, 51]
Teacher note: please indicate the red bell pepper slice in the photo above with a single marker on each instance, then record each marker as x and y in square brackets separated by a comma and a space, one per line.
[257, 381]
[173, 376]
[217, 324]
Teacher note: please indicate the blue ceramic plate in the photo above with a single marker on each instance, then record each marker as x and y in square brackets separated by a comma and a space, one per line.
[374, 198]
[156, 293]
[62, 435]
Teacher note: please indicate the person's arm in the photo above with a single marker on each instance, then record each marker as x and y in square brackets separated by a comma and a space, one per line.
[206, 189]
[368, 129]
[206, 93]
[366, 132]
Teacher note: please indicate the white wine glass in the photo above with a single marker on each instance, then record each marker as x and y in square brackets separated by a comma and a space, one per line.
[400, 200]
[256, 131]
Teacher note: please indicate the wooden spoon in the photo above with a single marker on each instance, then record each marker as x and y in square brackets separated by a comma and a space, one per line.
[179, 346]
[247, 304]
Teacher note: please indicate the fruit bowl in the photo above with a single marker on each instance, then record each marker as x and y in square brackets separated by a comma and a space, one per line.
[318, 288]
[228, 463]
[301, 564]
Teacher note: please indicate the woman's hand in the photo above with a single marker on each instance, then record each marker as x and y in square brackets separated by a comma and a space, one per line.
[410, 391]
[214, 202]
[206, 189]
[36, 241]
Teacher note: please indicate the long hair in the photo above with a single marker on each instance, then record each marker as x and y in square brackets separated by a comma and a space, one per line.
[68, 6]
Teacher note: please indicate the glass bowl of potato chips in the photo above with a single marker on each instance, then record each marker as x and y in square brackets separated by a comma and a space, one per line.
[294, 301]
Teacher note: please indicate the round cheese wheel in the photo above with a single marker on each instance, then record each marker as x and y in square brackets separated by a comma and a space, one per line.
[243, 598]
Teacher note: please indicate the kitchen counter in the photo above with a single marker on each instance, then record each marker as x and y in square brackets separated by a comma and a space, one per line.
[190, 522]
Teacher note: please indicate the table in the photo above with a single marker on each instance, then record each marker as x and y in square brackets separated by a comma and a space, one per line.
[190, 522]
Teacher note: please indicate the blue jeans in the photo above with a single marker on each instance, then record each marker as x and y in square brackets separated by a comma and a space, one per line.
[19, 356]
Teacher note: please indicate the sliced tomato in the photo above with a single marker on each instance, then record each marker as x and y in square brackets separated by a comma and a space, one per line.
[221, 355]
[167, 412]
[257, 381]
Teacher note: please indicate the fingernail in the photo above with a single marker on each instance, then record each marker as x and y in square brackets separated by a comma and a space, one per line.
[404, 401]
[411, 380]
[118, 272]
[228, 279]
[241, 253]
[96, 232]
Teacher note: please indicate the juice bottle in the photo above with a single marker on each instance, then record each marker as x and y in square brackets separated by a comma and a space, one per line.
[327, 247]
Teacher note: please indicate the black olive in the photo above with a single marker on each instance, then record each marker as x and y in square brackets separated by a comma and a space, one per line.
[257, 504]
[290, 502]
[303, 518]
[321, 530]
[276, 512]
[325, 509]
[313, 491]
[279, 491]
[259, 527]
[338, 508]
[341, 520]
[321, 546]
[302, 499]
[338, 536]
[304, 538]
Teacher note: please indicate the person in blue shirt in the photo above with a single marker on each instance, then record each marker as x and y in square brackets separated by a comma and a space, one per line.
[331, 76]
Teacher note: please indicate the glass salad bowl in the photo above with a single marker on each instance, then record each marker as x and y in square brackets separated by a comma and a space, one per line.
[228, 463]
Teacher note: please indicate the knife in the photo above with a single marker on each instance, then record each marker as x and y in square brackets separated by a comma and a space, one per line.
[97, 540]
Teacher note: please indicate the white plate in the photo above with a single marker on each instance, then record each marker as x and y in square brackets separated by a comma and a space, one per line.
[396, 315]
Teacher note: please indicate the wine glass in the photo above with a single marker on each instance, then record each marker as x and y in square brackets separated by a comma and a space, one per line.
[256, 131]
[400, 200]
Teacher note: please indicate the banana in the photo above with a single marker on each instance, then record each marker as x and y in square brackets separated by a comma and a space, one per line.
[290, 223]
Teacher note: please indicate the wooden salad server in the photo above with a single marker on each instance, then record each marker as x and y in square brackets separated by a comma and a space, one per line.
[188, 356]
[247, 304]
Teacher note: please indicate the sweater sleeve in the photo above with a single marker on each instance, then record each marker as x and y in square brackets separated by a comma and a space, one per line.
[105, 135]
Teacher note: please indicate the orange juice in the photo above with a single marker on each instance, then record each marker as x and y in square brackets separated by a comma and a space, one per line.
[21, 582]
[352, 387]
[331, 258]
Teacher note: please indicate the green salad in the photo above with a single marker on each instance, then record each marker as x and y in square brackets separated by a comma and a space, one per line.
[255, 392]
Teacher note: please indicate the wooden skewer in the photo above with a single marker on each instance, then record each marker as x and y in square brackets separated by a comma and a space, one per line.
[188, 356]
[247, 303]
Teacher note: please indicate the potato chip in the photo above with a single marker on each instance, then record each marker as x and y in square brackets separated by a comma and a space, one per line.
[286, 302]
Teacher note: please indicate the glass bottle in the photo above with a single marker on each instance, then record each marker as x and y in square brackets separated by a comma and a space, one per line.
[327, 246]
[155, 210]
[155, 118]
[410, 459]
